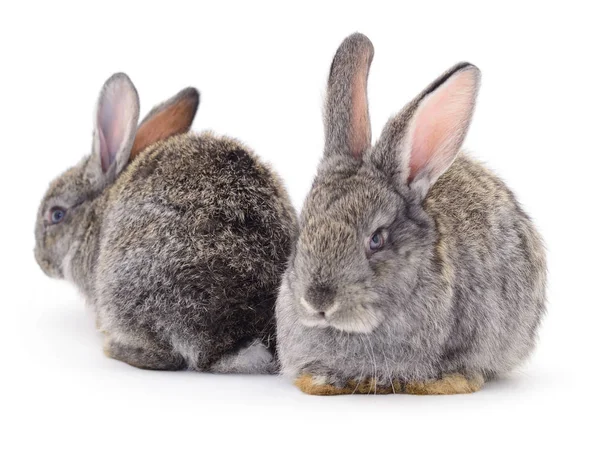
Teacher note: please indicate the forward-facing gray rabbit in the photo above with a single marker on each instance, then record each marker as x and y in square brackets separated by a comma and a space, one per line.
[415, 270]
[179, 252]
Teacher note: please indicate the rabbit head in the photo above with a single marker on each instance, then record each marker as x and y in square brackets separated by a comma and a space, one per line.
[64, 214]
[363, 228]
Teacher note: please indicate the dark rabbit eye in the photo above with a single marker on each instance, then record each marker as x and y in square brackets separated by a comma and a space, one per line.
[57, 214]
[376, 242]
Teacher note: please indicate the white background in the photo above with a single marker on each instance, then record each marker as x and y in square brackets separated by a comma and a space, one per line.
[262, 71]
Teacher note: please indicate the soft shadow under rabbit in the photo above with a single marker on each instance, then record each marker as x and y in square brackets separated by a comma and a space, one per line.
[416, 270]
[180, 252]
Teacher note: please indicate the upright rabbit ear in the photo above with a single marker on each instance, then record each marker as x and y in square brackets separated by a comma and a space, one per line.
[116, 123]
[347, 124]
[420, 143]
[170, 118]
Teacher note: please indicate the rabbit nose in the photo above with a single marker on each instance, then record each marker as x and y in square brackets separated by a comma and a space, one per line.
[319, 299]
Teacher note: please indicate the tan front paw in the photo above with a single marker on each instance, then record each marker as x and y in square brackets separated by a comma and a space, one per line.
[320, 385]
[448, 384]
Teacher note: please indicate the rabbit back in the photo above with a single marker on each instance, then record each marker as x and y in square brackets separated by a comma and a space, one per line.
[194, 243]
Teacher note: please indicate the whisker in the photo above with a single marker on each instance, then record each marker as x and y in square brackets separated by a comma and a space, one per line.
[374, 361]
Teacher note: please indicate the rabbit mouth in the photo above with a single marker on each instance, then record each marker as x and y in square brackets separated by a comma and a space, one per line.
[48, 269]
[360, 318]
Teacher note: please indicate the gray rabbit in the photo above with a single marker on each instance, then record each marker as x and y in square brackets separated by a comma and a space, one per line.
[178, 241]
[416, 270]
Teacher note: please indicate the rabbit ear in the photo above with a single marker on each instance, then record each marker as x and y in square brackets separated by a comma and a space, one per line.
[116, 123]
[421, 142]
[347, 125]
[170, 118]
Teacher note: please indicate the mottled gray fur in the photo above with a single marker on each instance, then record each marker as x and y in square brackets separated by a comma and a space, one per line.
[459, 286]
[179, 252]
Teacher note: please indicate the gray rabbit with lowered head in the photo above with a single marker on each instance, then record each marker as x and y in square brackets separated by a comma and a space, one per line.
[416, 270]
[177, 240]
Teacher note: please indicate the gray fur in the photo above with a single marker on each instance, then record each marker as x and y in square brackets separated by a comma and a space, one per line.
[180, 252]
[460, 285]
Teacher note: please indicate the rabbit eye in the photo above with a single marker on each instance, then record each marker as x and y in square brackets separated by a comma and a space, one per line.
[57, 214]
[376, 241]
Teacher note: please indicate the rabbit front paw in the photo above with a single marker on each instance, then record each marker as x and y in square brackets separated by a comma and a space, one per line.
[329, 383]
[448, 384]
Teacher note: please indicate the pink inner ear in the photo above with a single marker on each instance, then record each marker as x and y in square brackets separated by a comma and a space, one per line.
[116, 112]
[360, 133]
[104, 157]
[440, 124]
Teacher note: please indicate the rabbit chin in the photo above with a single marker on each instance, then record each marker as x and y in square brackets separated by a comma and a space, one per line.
[355, 319]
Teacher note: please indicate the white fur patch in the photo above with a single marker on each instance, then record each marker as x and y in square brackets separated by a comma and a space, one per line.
[188, 351]
[314, 322]
[67, 262]
[320, 380]
[254, 359]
